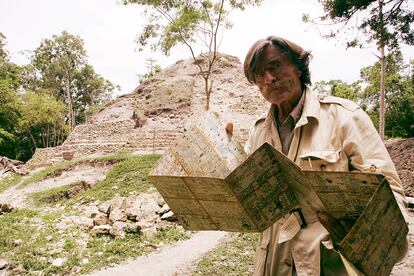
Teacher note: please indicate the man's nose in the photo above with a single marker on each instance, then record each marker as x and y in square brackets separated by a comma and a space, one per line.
[268, 77]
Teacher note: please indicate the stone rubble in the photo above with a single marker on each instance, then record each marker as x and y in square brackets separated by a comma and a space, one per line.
[58, 262]
[143, 213]
[3, 264]
[6, 208]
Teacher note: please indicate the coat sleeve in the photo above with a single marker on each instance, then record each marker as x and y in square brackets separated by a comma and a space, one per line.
[249, 143]
[367, 153]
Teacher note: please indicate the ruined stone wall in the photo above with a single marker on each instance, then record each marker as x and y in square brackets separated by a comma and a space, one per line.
[103, 132]
[95, 139]
[164, 105]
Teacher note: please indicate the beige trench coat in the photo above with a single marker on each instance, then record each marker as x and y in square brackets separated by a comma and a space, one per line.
[332, 134]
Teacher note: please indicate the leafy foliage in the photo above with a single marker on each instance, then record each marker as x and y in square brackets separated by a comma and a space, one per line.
[389, 24]
[59, 66]
[152, 69]
[42, 118]
[42, 101]
[339, 88]
[91, 90]
[399, 94]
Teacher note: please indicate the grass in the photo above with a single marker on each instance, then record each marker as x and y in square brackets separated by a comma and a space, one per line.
[57, 169]
[43, 174]
[31, 240]
[233, 257]
[125, 177]
[9, 182]
[46, 197]
[165, 96]
[41, 242]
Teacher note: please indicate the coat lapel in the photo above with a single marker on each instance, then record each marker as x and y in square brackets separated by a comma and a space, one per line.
[311, 108]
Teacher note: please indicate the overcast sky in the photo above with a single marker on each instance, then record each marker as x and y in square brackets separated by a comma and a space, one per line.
[109, 30]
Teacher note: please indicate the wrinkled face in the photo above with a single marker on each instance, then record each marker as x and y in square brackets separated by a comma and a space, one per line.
[279, 80]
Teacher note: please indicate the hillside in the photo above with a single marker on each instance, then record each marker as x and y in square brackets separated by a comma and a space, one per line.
[150, 118]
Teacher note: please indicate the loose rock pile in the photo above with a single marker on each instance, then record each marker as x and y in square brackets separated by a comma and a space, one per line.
[142, 214]
[6, 208]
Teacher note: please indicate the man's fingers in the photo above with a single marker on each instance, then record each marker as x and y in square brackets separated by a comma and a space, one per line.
[229, 128]
[334, 227]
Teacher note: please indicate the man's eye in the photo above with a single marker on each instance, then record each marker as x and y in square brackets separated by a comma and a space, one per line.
[274, 65]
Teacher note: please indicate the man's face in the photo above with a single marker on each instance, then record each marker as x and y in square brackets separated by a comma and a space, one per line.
[279, 83]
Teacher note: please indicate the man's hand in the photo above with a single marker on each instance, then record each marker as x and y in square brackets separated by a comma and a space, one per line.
[229, 128]
[337, 228]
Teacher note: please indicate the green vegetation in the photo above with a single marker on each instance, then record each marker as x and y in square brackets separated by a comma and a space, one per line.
[58, 89]
[54, 170]
[233, 257]
[399, 93]
[30, 242]
[46, 197]
[128, 176]
[9, 182]
[388, 24]
[57, 169]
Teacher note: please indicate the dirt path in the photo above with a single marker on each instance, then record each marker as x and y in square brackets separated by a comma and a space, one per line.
[18, 197]
[170, 259]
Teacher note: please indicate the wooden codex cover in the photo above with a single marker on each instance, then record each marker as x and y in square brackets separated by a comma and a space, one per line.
[211, 184]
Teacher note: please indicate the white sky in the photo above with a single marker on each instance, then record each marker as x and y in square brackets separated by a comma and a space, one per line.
[109, 30]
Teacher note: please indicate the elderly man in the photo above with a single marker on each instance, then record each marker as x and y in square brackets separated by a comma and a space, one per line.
[318, 133]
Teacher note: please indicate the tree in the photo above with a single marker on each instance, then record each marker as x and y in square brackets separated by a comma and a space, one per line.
[3, 52]
[9, 116]
[399, 94]
[339, 88]
[91, 90]
[56, 61]
[59, 65]
[9, 113]
[188, 22]
[42, 119]
[152, 69]
[387, 23]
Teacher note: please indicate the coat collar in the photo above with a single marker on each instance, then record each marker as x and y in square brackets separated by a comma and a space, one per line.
[311, 109]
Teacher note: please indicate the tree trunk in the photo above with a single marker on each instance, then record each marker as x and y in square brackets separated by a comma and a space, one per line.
[70, 105]
[33, 139]
[207, 92]
[382, 86]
